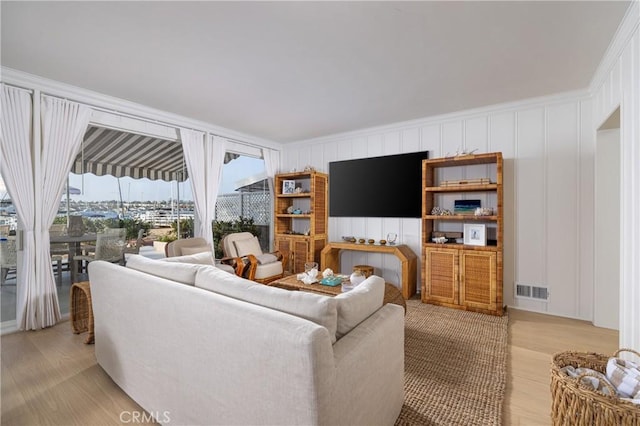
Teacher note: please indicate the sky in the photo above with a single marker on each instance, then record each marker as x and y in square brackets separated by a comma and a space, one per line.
[100, 188]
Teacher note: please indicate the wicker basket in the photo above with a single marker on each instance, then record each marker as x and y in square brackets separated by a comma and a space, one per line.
[576, 404]
[81, 310]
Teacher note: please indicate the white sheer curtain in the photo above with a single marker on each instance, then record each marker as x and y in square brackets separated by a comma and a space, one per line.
[271, 162]
[16, 167]
[204, 159]
[271, 166]
[63, 125]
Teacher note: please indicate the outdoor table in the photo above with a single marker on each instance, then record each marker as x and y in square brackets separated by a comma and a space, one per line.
[75, 246]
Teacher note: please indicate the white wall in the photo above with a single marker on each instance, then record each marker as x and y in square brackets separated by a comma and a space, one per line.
[548, 147]
[606, 305]
[617, 84]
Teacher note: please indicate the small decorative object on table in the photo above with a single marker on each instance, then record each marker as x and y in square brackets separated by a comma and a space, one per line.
[346, 286]
[356, 277]
[383, 242]
[331, 281]
[328, 278]
[391, 238]
[361, 240]
[439, 240]
[372, 241]
[310, 274]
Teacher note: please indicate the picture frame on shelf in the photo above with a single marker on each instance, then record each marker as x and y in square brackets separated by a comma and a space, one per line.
[288, 186]
[475, 234]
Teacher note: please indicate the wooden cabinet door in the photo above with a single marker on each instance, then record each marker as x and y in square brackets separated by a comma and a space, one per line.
[478, 279]
[283, 245]
[441, 275]
[301, 255]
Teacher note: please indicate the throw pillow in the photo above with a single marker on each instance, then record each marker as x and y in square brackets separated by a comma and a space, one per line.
[266, 258]
[248, 246]
[317, 308]
[202, 258]
[358, 304]
[194, 250]
[184, 273]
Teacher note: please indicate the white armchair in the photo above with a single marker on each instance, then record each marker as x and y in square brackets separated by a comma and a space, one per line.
[251, 262]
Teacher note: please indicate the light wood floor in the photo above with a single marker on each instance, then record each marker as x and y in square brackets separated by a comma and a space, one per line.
[50, 377]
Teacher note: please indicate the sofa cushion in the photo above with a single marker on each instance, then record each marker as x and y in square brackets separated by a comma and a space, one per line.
[358, 304]
[201, 258]
[194, 250]
[313, 307]
[248, 246]
[184, 273]
[265, 259]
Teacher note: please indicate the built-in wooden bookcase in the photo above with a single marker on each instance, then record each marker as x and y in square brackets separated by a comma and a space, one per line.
[456, 273]
[300, 217]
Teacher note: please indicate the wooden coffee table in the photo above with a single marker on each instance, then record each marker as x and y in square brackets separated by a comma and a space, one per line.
[392, 293]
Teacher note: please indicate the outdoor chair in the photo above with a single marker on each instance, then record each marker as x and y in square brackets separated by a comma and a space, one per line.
[109, 247]
[251, 263]
[186, 246]
[76, 226]
[8, 258]
[58, 250]
[135, 248]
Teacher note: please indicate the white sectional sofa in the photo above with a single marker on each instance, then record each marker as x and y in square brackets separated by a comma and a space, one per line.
[195, 345]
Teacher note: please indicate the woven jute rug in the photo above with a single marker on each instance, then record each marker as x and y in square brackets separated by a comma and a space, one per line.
[455, 366]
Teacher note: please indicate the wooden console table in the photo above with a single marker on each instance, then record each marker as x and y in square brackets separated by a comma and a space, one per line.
[330, 258]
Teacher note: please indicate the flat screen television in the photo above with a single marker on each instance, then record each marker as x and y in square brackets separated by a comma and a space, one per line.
[387, 186]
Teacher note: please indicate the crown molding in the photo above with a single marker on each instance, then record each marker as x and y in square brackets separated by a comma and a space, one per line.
[116, 105]
[628, 26]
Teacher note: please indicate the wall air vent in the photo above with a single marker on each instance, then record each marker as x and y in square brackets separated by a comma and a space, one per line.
[523, 290]
[539, 293]
[532, 292]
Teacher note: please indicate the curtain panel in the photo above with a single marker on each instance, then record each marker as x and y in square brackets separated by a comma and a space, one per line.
[16, 167]
[271, 165]
[63, 125]
[204, 159]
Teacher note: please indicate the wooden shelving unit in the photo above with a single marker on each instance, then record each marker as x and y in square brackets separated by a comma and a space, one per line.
[302, 235]
[458, 275]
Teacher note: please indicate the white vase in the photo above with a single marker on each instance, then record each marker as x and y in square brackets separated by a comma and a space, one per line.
[357, 277]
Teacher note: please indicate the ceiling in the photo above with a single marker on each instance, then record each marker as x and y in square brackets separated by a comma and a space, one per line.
[289, 71]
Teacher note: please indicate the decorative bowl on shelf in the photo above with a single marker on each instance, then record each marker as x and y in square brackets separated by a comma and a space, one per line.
[439, 240]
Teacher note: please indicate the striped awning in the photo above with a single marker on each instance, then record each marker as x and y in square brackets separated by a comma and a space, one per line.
[119, 154]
